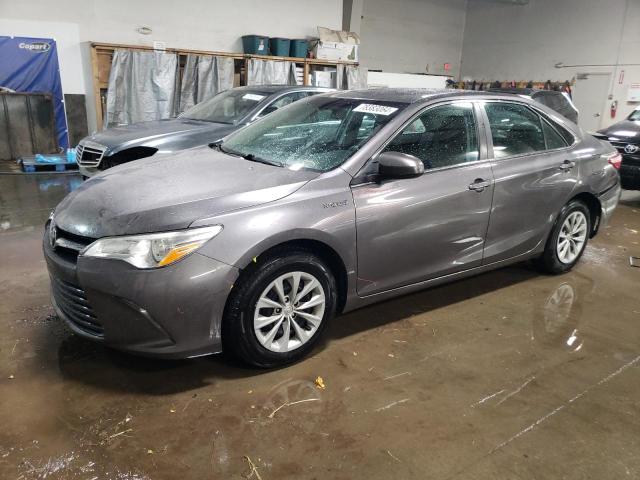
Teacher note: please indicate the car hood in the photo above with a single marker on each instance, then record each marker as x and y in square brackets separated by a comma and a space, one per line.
[153, 132]
[169, 192]
[627, 130]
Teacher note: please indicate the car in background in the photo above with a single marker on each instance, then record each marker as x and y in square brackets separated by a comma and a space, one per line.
[625, 137]
[202, 124]
[555, 100]
[254, 243]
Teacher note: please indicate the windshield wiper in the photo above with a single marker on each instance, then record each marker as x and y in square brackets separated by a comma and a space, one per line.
[247, 156]
[252, 158]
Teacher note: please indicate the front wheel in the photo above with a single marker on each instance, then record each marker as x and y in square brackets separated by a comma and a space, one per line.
[279, 310]
[568, 239]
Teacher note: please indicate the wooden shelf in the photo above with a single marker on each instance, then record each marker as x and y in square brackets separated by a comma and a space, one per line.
[102, 54]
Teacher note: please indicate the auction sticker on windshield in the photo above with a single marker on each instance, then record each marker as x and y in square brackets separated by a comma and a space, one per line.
[252, 96]
[375, 109]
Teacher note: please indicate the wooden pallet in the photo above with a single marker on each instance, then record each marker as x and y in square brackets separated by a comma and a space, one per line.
[31, 165]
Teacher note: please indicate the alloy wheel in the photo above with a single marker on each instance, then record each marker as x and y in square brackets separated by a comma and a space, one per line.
[572, 237]
[289, 311]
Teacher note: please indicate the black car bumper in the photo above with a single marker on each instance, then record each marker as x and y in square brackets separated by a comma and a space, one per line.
[630, 176]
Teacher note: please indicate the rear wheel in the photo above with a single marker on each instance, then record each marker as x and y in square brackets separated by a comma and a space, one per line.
[568, 239]
[278, 312]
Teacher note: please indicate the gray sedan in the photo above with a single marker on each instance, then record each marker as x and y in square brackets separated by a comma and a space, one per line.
[341, 200]
[202, 124]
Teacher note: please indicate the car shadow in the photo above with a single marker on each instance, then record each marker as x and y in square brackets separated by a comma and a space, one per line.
[428, 300]
[89, 363]
[93, 364]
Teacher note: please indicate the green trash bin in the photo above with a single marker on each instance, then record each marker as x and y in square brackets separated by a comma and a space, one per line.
[255, 44]
[299, 48]
[279, 46]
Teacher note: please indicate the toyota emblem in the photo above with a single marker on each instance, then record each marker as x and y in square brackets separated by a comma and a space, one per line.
[631, 148]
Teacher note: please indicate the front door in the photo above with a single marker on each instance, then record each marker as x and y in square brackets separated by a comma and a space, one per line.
[414, 229]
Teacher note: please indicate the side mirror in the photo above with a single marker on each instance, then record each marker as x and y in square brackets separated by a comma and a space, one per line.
[399, 165]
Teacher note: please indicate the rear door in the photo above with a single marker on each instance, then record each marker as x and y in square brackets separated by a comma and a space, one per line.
[535, 173]
[414, 229]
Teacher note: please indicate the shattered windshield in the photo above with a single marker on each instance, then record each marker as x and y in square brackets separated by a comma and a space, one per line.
[318, 134]
[226, 107]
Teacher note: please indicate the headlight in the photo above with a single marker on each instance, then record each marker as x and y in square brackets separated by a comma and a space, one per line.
[154, 249]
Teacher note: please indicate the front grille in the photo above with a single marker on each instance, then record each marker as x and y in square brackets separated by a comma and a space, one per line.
[89, 155]
[73, 303]
[68, 245]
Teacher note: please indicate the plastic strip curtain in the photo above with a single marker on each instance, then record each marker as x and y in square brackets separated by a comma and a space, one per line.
[350, 77]
[270, 72]
[203, 77]
[142, 87]
[356, 77]
[340, 78]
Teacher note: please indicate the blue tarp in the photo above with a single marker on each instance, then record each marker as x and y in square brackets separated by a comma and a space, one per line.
[31, 65]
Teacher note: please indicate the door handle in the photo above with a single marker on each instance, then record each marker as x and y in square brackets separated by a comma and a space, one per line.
[479, 185]
[567, 165]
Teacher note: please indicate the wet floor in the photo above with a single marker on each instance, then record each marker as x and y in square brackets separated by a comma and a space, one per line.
[506, 375]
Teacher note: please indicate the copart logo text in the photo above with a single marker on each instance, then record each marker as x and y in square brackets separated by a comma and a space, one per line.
[38, 47]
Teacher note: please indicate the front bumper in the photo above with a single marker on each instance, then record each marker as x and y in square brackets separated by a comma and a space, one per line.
[173, 312]
[630, 176]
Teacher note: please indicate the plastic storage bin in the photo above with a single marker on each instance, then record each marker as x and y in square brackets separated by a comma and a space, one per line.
[280, 46]
[255, 45]
[299, 48]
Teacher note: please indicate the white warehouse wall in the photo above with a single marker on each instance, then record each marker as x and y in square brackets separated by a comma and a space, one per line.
[194, 24]
[412, 36]
[523, 42]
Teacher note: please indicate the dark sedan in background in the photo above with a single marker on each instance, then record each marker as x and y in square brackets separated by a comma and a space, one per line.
[625, 136]
[202, 124]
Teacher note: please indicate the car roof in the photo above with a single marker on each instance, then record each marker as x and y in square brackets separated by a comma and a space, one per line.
[270, 89]
[407, 95]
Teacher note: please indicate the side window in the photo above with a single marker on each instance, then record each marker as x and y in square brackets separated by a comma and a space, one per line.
[515, 129]
[556, 101]
[442, 136]
[286, 100]
[553, 138]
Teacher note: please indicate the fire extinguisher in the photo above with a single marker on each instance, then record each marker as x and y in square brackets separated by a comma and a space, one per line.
[614, 108]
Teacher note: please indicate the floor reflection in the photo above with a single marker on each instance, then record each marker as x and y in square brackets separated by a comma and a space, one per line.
[27, 199]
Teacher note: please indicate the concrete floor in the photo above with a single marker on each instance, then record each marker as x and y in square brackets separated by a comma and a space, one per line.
[507, 375]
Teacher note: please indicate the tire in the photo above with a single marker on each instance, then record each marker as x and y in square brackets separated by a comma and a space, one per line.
[243, 340]
[555, 260]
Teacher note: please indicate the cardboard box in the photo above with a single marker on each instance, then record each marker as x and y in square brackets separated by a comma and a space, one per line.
[323, 79]
[336, 51]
